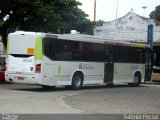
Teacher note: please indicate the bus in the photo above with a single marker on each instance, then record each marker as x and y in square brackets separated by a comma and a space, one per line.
[74, 60]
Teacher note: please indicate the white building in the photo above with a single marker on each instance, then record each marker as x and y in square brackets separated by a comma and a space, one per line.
[131, 28]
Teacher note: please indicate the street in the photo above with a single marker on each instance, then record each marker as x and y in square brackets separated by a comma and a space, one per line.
[118, 99]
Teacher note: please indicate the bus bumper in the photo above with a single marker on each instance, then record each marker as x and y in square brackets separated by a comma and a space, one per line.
[20, 78]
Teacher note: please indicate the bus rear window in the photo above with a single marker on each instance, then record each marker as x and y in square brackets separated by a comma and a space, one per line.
[21, 55]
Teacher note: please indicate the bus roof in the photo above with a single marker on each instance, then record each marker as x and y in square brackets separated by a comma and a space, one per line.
[82, 37]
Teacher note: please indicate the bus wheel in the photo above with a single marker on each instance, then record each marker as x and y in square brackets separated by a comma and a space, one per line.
[136, 80]
[48, 87]
[77, 81]
[68, 87]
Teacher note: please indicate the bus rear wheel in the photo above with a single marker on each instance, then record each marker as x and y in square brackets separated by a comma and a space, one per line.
[77, 81]
[136, 80]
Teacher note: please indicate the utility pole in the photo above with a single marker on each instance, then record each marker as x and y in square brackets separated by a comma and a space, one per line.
[117, 10]
[94, 10]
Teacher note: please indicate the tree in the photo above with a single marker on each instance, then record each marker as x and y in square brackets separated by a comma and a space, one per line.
[99, 23]
[156, 13]
[55, 16]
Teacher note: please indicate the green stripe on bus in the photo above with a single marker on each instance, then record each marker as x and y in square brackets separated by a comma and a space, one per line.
[59, 69]
[7, 48]
[38, 47]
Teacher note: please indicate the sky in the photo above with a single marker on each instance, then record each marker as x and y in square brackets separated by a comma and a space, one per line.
[106, 9]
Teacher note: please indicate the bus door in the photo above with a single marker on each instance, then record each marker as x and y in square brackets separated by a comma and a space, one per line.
[148, 64]
[109, 63]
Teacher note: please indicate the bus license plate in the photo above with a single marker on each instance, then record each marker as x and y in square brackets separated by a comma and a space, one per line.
[20, 78]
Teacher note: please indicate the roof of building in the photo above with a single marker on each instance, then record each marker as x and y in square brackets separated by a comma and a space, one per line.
[129, 13]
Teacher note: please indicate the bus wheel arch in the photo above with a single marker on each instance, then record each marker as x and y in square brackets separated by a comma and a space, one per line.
[137, 78]
[77, 80]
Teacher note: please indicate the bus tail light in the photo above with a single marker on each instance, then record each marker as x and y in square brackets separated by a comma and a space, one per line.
[38, 68]
[5, 66]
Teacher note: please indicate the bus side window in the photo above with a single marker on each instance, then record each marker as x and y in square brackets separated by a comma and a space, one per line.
[109, 53]
[59, 50]
[77, 51]
[87, 52]
[49, 49]
[67, 51]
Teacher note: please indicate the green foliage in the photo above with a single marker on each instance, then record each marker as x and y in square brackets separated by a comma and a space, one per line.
[99, 23]
[156, 13]
[55, 16]
[1, 22]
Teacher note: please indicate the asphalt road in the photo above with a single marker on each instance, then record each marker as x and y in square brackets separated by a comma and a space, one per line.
[117, 100]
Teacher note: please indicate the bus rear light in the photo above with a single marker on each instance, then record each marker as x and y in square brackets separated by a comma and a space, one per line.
[38, 68]
[118, 44]
[5, 67]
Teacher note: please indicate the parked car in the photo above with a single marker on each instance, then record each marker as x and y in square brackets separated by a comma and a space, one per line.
[2, 72]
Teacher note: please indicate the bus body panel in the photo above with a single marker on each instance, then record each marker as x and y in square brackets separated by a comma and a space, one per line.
[21, 64]
[61, 72]
[124, 72]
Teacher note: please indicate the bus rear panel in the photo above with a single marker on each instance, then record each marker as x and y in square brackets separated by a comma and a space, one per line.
[22, 66]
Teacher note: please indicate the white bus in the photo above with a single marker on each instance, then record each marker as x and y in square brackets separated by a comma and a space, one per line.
[73, 60]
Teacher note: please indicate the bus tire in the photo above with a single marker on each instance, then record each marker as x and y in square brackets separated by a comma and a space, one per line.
[137, 79]
[48, 87]
[68, 87]
[77, 81]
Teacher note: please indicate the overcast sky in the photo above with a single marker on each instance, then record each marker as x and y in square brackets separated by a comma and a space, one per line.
[106, 9]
